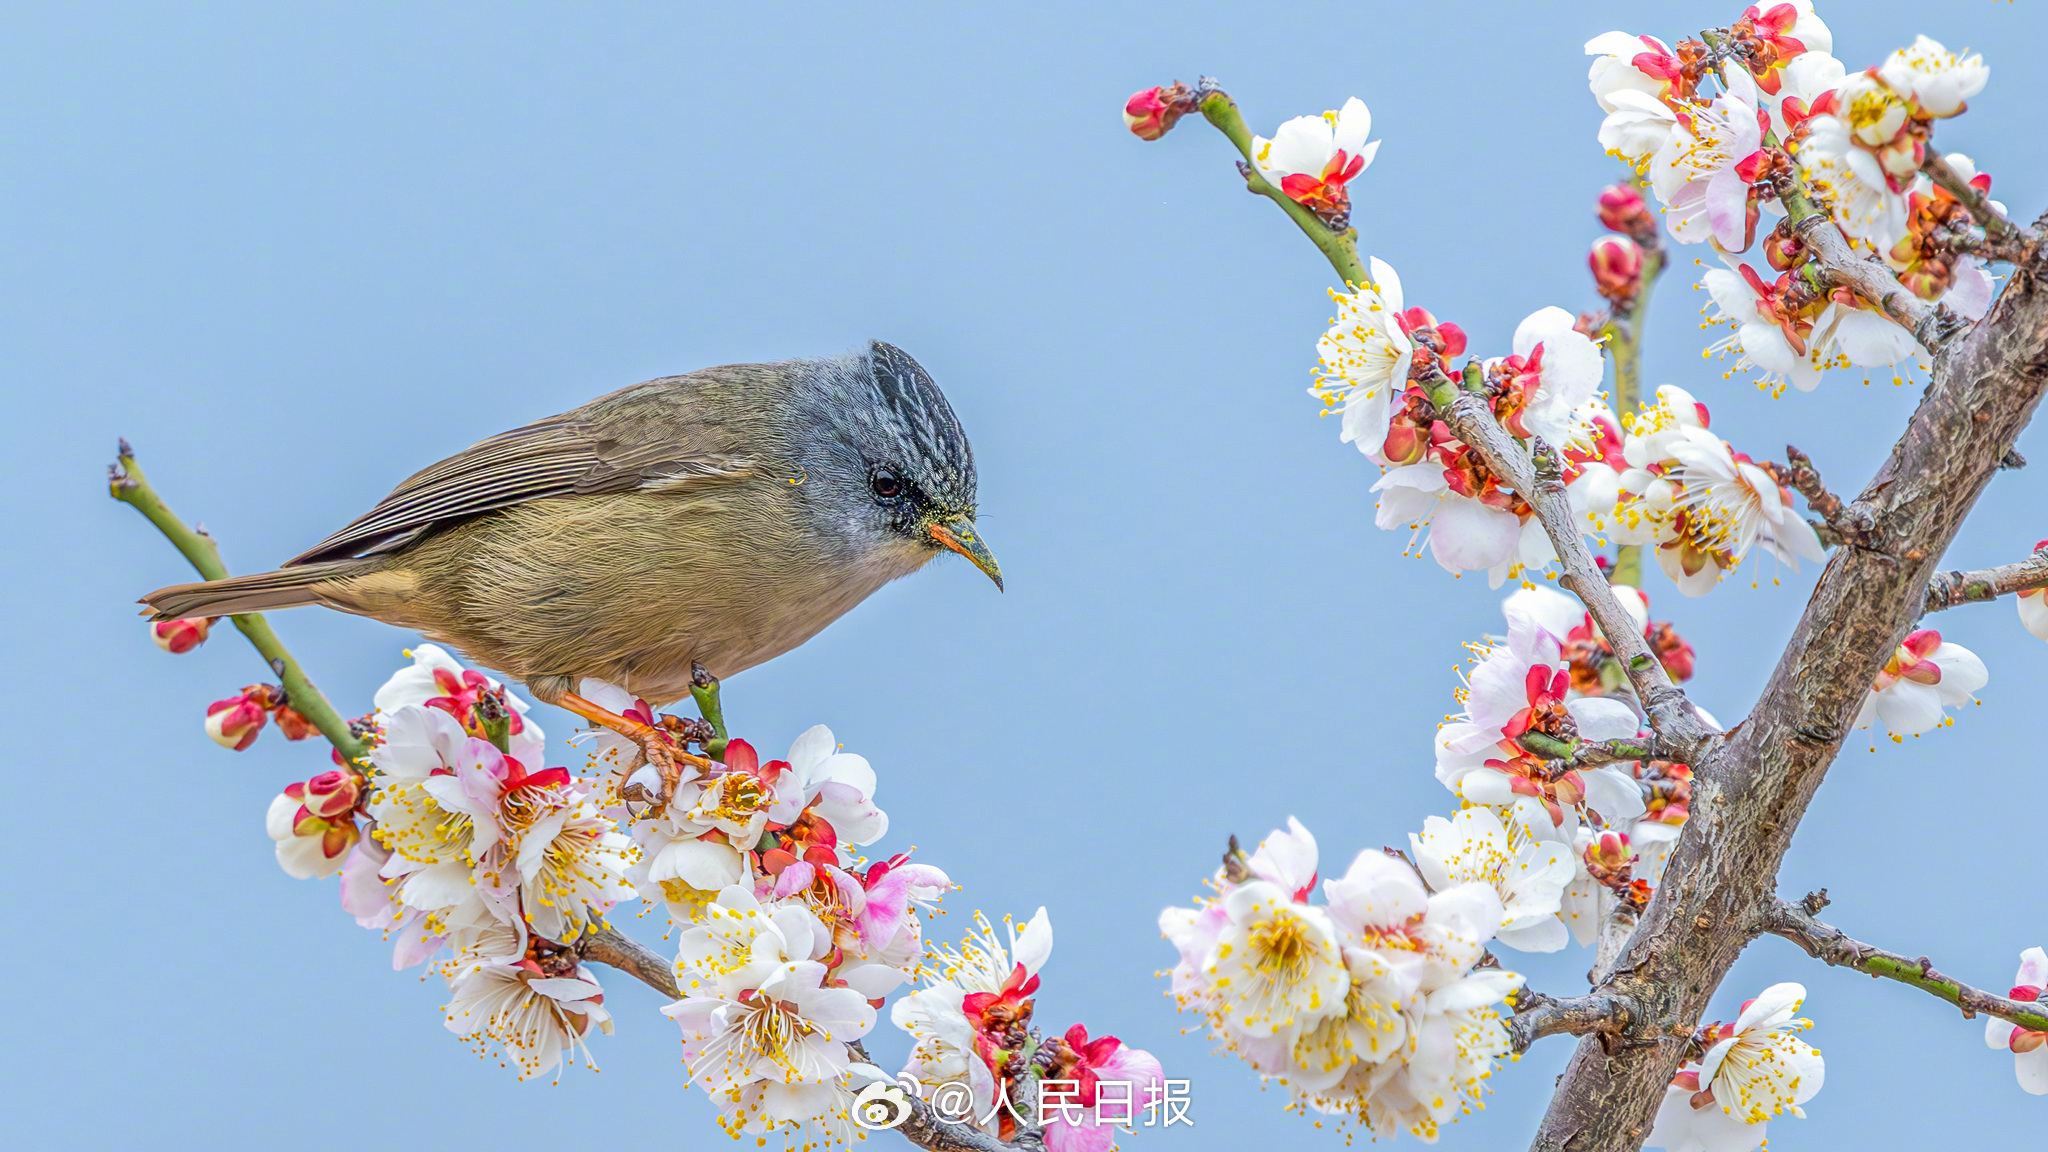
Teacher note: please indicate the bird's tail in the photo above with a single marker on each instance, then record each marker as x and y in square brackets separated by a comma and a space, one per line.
[290, 587]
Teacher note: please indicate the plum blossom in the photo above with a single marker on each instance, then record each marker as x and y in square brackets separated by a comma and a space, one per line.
[1680, 1126]
[1757, 1068]
[314, 824]
[2029, 1049]
[1704, 171]
[1778, 36]
[764, 1029]
[1937, 80]
[1086, 1063]
[437, 680]
[180, 636]
[1529, 875]
[1554, 371]
[374, 903]
[1637, 80]
[1490, 530]
[1514, 698]
[1848, 177]
[571, 861]
[1702, 504]
[1923, 676]
[533, 1005]
[1313, 158]
[1397, 1032]
[1785, 340]
[972, 995]
[1364, 360]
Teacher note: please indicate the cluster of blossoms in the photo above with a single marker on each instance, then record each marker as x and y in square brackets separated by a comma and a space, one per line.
[1699, 503]
[1785, 111]
[1370, 1006]
[790, 941]
[1380, 364]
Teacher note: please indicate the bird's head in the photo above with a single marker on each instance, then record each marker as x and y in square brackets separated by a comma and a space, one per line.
[903, 473]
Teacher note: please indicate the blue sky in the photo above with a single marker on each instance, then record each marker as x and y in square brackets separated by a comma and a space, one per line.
[296, 252]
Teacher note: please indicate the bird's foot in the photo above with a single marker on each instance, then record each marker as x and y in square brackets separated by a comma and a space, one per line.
[660, 745]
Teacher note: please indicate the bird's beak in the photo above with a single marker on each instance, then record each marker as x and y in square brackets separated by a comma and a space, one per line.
[959, 535]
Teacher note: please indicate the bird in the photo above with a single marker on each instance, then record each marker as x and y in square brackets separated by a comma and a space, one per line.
[718, 518]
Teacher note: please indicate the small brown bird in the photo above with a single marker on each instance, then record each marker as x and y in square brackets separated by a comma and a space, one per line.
[722, 517]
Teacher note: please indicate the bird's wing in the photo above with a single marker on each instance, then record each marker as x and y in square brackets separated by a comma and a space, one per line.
[560, 456]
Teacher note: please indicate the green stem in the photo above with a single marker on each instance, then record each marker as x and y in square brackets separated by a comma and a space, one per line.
[1624, 332]
[129, 486]
[1340, 248]
[704, 690]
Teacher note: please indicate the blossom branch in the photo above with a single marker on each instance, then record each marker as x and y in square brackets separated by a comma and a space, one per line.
[1539, 478]
[126, 483]
[1994, 223]
[923, 1128]
[1825, 942]
[1755, 785]
[1952, 588]
[1931, 324]
[1340, 248]
[1536, 1015]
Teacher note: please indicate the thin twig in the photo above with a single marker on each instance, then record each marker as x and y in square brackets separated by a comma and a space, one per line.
[1677, 726]
[1846, 521]
[126, 483]
[1948, 589]
[1994, 223]
[1340, 248]
[1830, 944]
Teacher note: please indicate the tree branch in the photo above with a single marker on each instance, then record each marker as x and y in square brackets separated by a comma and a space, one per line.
[126, 483]
[1752, 789]
[1846, 522]
[1830, 944]
[1539, 481]
[1952, 588]
[1931, 324]
[924, 1127]
[1994, 223]
[1537, 1015]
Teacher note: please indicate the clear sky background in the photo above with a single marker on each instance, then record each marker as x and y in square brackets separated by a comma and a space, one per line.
[297, 252]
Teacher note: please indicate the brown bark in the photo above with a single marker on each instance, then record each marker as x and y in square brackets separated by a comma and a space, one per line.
[1754, 786]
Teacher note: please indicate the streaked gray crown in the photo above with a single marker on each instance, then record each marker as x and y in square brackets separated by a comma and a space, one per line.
[933, 445]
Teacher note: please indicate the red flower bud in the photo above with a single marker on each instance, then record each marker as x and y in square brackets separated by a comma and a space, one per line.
[180, 636]
[330, 795]
[235, 721]
[1617, 265]
[1153, 112]
[1622, 210]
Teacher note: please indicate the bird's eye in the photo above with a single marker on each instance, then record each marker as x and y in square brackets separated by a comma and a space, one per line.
[887, 486]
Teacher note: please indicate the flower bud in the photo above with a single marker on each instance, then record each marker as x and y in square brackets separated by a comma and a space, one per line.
[1617, 265]
[328, 795]
[1153, 112]
[309, 846]
[293, 723]
[1622, 210]
[180, 636]
[235, 721]
[1672, 651]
